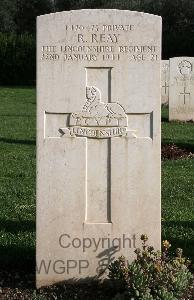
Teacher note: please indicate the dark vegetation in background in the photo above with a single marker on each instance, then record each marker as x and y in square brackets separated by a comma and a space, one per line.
[18, 27]
[17, 59]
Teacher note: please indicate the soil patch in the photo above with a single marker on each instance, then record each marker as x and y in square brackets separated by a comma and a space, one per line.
[172, 151]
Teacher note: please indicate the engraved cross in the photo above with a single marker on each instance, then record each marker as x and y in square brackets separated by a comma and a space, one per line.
[102, 122]
[185, 95]
[165, 86]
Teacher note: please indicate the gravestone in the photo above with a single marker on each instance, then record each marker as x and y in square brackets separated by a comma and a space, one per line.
[98, 157]
[181, 89]
[165, 81]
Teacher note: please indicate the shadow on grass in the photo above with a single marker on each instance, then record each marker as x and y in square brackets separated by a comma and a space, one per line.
[25, 87]
[17, 266]
[187, 146]
[17, 226]
[188, 224]
[164, 119]
[186, 244]
[14, 141]
[184, 146]
[17, 262]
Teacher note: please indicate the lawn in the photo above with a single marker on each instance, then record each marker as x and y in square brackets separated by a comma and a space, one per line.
[178, 187]
[17, 181]
[17, 177]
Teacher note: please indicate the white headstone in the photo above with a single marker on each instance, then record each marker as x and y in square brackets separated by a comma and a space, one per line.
[181, 89]
[98, 177]
[165, 81]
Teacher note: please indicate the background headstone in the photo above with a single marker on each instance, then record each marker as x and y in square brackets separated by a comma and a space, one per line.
[165, 81]
[181, 89]
[98, 176]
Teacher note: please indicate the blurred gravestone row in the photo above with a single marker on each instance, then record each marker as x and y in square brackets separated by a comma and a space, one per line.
[177, 87]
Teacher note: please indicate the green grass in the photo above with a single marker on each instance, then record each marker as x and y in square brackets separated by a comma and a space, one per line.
[179, 133]
[178, 187]
[17, 181]
[17, 177]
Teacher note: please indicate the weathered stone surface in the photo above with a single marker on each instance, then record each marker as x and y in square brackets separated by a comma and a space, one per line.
[181, 89]
[98, 174]
[165, 81]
